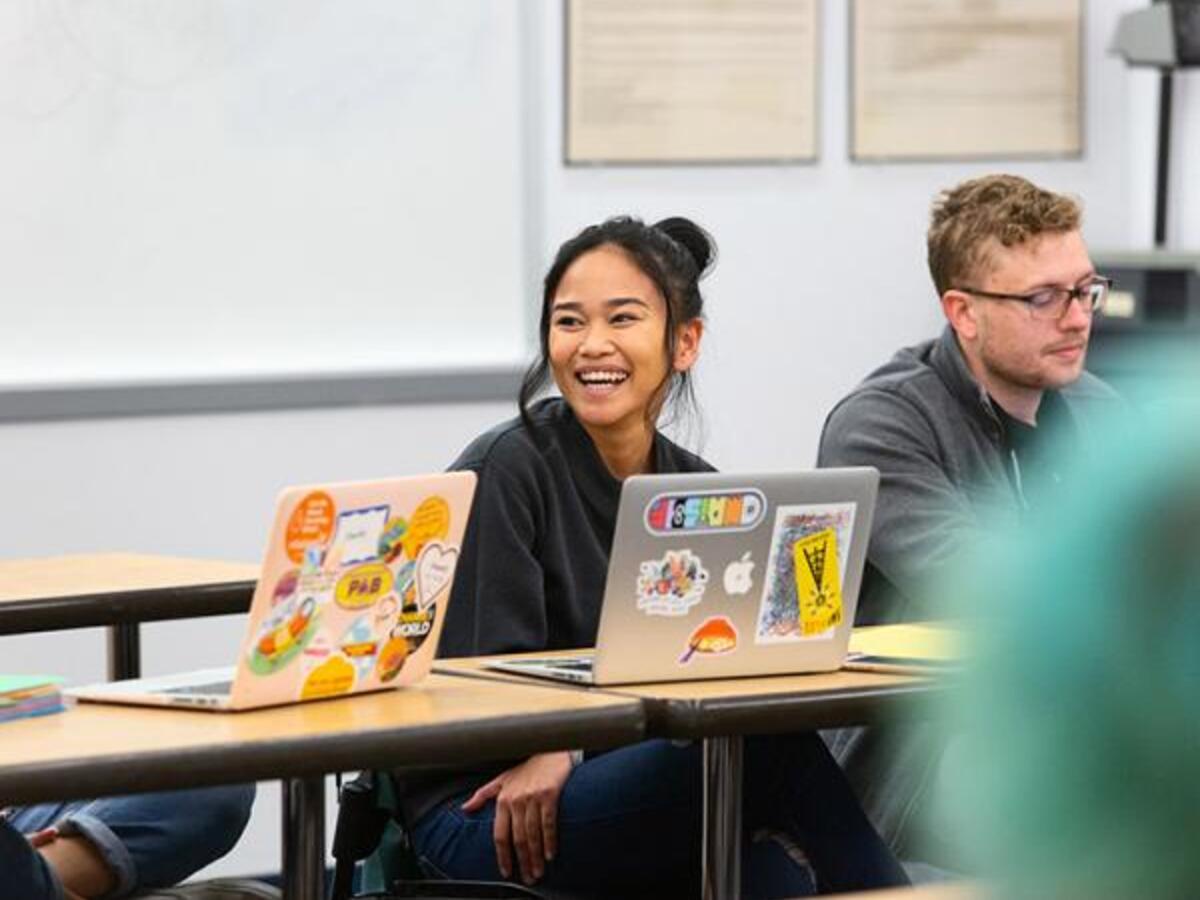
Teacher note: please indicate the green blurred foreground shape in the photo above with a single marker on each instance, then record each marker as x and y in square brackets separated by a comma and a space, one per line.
[1073, 763]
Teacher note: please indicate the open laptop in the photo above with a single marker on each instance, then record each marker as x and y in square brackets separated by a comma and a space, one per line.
[352, 597]
[717, 575]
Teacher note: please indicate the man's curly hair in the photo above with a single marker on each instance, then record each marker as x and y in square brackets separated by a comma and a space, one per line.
[1005, 207]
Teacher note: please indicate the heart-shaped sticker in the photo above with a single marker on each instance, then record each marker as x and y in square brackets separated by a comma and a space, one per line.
[435, 568]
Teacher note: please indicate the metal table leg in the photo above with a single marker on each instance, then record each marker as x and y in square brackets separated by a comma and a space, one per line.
[304, 838]
[124, 651]
[721, 860]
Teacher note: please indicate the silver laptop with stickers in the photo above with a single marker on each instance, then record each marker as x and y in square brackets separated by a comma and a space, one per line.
[716, 575]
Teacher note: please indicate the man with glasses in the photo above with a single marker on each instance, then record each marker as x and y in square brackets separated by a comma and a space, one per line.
[971, 429]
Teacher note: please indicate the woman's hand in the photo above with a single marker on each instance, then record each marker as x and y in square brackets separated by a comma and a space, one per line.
[526, 812]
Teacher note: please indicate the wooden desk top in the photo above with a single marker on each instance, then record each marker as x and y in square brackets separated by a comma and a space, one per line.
[112, 588]
[693, 709]
[95, 749]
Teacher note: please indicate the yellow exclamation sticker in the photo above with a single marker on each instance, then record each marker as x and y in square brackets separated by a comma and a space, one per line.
[818, 582]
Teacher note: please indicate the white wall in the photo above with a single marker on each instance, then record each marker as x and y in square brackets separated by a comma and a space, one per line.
[821, 276]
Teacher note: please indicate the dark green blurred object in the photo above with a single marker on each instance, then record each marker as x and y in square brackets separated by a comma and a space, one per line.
[1074, 770]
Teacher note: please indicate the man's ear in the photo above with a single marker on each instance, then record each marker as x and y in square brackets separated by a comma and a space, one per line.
[962, 313]
[687, 344]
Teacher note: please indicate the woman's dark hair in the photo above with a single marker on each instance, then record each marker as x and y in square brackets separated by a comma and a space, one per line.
[674, 253]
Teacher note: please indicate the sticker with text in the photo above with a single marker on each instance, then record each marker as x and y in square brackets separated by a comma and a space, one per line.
[331, 678]
[309, 525]
[672, 585]
[705, 511]
[413, 626]
[805, 567]
[715, 636]
[364, 586]
[435, 570]
[357, 537]
[430, 521]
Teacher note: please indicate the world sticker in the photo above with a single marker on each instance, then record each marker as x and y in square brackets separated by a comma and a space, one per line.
[429, 522]
[818, 582]
[311, 523]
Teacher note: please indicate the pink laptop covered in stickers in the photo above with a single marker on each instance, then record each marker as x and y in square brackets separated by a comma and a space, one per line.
[352, 597]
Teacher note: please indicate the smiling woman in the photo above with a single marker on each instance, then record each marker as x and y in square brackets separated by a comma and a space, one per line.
[621, 328]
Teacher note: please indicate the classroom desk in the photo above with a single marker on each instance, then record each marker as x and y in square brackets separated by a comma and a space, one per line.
[720, 712]
[101, 749]
[118, 590]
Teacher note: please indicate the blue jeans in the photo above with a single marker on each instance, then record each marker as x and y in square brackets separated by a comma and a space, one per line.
[148, 840]
[629, 825]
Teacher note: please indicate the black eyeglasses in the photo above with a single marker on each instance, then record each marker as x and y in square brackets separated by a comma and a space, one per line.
[1052, 302]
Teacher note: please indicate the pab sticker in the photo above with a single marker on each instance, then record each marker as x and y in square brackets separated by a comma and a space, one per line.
[333, 677]
[429, 522]
[714, 636]
[801, 596]
[818, 583]
[699, 512]
[672, 585]
[311, 523]
[362, 587]
[435, 568]
[357, 538]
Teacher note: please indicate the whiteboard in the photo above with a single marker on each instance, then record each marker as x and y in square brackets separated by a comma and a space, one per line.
[216, 189]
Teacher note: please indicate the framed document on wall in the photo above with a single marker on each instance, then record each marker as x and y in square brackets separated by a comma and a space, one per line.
[965, 79]
[690, 81]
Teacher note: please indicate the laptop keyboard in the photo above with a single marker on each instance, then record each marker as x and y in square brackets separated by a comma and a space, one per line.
[221, 688]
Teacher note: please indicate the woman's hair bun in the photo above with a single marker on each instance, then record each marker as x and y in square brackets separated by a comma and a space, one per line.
[694, 239]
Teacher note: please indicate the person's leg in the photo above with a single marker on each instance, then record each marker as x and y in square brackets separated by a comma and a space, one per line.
[793, 783]
[24, 872]
[628, 825]
[145, 840]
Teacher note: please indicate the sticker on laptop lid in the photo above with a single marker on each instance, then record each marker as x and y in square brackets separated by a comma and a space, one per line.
[430, 521]
[818, 582]
[391, 541]
[704, 512]
[715, 636]
[802, 591]
[435, 570]
[364, 586]
[357, 537]
[413, 626]
[360, 646]
[283, 635]
[309, 525]
[672, 585]
[331, 678]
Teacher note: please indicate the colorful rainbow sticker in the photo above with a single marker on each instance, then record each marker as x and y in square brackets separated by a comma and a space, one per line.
[703, 512]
